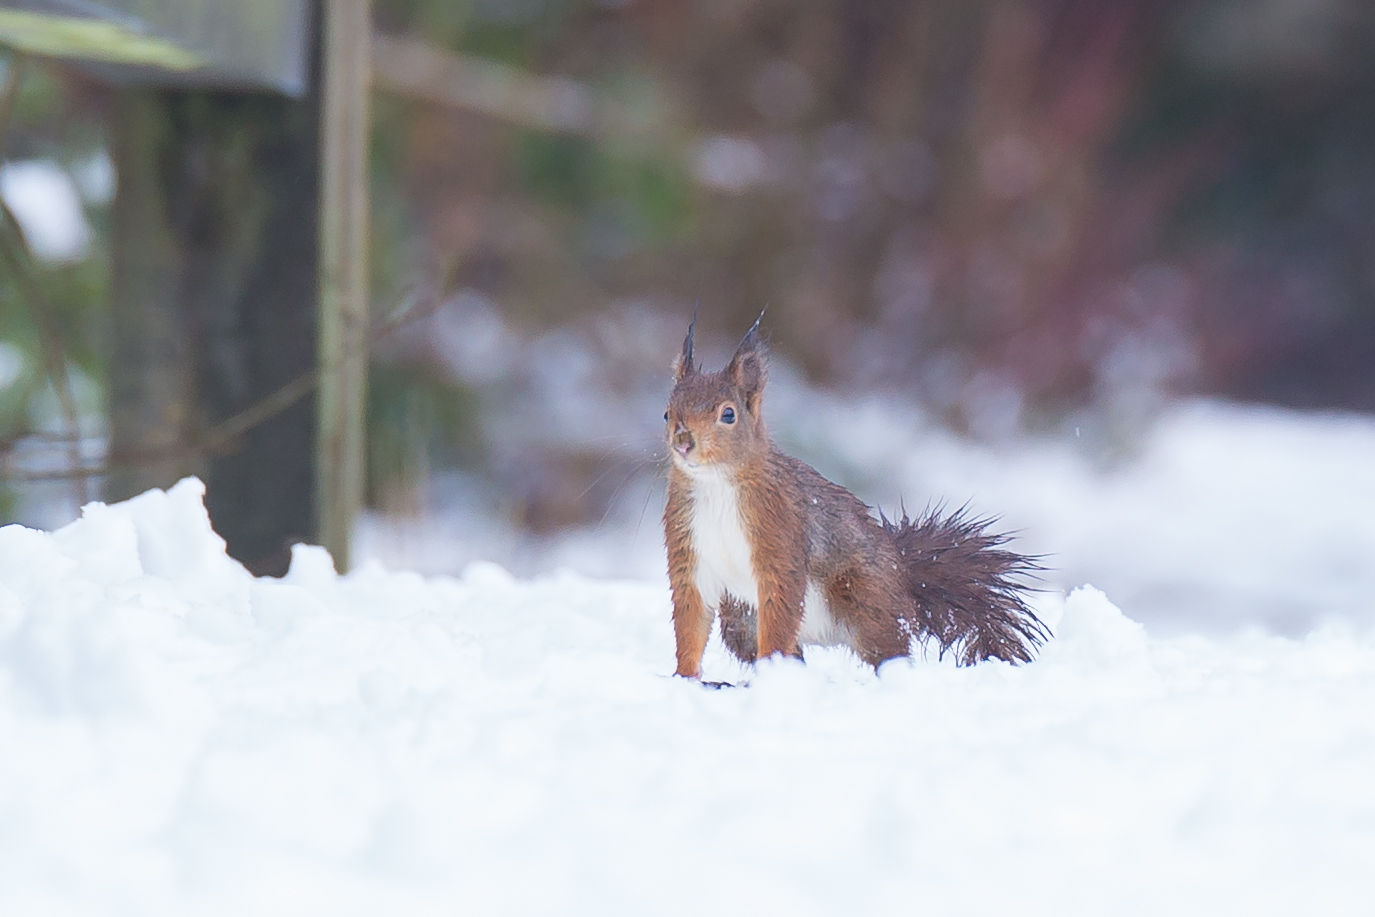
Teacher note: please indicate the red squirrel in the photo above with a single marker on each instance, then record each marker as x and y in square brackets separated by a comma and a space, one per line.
[784, 557]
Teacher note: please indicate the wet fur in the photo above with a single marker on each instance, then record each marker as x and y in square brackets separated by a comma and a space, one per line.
[889, 587]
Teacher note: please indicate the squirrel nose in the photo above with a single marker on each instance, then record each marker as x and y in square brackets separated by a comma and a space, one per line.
[682, 440]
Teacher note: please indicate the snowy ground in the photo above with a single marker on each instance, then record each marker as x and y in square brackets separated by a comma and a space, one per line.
[179, 738]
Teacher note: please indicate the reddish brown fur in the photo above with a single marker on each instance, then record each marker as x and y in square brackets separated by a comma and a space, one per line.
[883, 582]
[691, 616]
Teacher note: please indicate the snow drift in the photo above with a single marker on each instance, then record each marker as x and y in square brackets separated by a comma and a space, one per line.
[177, 737]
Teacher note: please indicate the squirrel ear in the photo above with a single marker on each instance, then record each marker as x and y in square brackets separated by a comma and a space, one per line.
[682, 366]
[747, 368]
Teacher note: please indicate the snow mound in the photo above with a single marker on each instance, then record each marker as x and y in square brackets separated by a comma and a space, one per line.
[177, 737]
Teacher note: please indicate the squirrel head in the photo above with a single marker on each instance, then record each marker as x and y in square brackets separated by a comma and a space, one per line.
[714, 420]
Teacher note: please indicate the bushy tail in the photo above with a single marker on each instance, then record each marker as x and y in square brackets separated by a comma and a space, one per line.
[968, 589]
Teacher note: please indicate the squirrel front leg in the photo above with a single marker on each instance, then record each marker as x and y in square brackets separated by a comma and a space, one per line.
[780, 614]
[691, 627]
[780, 572]
[777, 538]
[691, 616]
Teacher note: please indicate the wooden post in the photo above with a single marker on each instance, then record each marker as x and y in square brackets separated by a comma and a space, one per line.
[152, 364]
[343, 271]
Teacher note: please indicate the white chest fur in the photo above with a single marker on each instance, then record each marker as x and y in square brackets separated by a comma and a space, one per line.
[724, 560]
[725, 563]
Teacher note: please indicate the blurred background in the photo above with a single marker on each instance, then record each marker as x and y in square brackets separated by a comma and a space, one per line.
[983, 227]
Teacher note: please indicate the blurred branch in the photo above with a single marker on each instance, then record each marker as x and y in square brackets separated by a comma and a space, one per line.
[410, 67]
[14, 77]
[14, 250]
[221, 436]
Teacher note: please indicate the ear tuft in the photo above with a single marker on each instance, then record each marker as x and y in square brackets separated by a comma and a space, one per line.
[747, 369]
[682, 366]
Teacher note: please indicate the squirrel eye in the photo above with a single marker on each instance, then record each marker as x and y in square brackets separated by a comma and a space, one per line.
[728, 415]
[665, 416]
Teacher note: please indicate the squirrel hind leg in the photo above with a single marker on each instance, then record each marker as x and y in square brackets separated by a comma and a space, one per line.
[739, 628]
[872, 614]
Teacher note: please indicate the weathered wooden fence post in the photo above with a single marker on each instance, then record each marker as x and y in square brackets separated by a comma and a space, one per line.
[214, 304]
[344, 318]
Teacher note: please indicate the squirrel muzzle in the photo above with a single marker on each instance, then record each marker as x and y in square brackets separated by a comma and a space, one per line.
[683, 441]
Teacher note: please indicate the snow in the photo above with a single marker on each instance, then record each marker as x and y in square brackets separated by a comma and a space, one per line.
[47, 205]
[177, 737]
